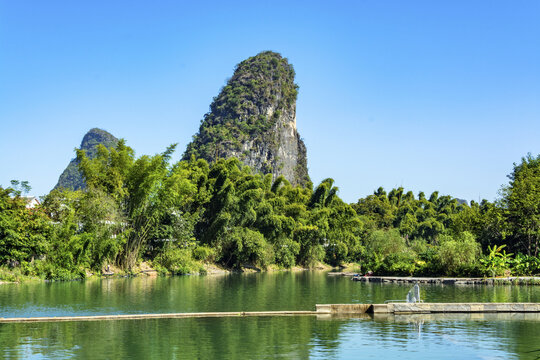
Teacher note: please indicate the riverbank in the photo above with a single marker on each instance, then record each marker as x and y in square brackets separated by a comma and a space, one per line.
[145, 269]
[15, 276]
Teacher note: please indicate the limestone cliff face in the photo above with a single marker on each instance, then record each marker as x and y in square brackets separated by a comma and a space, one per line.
[71, 178]
[254, 119]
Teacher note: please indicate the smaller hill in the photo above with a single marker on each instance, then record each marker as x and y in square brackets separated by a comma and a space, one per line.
[71, 178]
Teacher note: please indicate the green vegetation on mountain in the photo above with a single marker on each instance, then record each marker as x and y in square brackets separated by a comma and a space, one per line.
[71, 177]
[254, 119]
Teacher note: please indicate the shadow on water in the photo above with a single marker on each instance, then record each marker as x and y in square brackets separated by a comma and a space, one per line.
[536, 353]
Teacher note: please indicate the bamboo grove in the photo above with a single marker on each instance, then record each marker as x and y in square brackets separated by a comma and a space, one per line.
[181, 216]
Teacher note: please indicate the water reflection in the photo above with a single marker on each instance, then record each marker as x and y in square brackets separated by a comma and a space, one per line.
[535, 353]
[252, 292]
[425, 336]
[460, 317]
[420, 336]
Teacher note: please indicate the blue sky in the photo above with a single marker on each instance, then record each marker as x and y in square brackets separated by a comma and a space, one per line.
[428, 95]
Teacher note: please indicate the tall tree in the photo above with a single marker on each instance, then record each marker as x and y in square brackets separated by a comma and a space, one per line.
[138, 186]
[521, 201]
[24, 232]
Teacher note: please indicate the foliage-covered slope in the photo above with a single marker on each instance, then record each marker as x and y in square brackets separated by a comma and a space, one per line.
[254, 119]
[71, 177]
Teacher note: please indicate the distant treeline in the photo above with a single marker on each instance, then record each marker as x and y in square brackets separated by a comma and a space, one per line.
[181, 215]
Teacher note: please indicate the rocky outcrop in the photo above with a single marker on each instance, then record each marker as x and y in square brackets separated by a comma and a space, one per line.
[71, 178]
[254, 119]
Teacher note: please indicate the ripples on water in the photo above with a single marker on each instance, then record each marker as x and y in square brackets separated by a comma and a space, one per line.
[464, 336]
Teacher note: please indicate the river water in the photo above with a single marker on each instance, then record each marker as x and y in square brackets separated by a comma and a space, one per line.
[480, 336]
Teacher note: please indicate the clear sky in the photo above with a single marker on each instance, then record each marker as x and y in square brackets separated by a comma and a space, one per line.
[428, 95]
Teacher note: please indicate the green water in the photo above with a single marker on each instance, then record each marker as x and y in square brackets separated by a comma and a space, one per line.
[426, 337]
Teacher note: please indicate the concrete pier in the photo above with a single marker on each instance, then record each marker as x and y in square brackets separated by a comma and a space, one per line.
[428, 308]
[343, 308]
[509, 280]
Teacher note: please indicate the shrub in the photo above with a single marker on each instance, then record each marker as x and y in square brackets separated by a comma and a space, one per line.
[50, 270]
[383, 248]
[311, 251]
[336, 253]
[385, 242]
[459, 255]
[403, 263]
[497, 261]
[245, 246]
[177, 261]
[12, 275]
[428, 259]
[204, 253]
[525, 265]
[286, 252]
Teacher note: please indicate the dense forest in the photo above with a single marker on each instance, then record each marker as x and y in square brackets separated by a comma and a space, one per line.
[180, 216]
